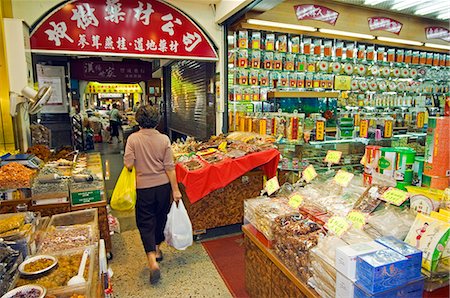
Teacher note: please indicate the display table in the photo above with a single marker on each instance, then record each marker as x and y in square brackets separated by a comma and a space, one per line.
[266, 275]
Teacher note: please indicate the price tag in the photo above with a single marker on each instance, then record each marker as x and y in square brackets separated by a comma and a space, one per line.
[388, 128]
[343, 178]
[309, 173]
[357, 218]
[320, 130]
[333, 156]
[223, 146]
[420, 119]
[272, 185]
[363, 160]
[395, 196]
[363, 128]
[295, 200]
[338, 225]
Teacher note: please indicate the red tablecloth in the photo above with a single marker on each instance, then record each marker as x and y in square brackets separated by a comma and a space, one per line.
[200, 183]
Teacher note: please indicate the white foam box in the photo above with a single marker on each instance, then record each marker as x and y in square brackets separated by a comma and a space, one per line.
[346, 257]
[344, 287]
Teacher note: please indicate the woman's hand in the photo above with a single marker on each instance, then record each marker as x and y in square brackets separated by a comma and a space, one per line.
[176, 195]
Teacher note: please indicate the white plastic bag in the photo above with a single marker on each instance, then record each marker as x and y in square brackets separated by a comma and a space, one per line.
[178, 230]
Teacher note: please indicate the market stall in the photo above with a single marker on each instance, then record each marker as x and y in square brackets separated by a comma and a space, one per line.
[221, 175]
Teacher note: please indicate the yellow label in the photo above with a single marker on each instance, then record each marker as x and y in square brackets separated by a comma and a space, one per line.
[295, 200]
[338, 225]
[363, 160]
[223, 146]
[395, 196]
[242, 124]
[420, 119]
[357, 218]
[320, 130]
[342, 82]
[333, 156]
[309, 173]
[388, 128]
[363, 128]
[343, 178]
[272, 185]
[263, 127]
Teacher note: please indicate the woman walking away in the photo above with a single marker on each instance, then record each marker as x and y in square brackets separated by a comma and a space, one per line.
[150, 153]
[114, 123]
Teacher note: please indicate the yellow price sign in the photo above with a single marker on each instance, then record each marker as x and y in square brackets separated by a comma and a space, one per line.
[333, 156]
[309, 173]
[338, 225]
[420, 119]
[295, 200]
[272, 185]
[363, 160]
[388, 128]
[395, 196]
[320, 130]
[363, 128]
[357, 218]
[343, 178]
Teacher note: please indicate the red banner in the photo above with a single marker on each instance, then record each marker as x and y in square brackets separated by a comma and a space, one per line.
[437, 33]
[384, 24]
[316, 12]
[147, 28]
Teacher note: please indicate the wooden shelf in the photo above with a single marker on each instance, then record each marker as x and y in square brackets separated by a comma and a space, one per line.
[302, 94]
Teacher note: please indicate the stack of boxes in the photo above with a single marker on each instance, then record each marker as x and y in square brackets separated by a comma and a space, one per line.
[386, 267]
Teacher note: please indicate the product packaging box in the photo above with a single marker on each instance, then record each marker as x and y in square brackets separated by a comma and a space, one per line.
[413, 289]
[381, 270]
[344, 287]
[346, 257]
[413, 255]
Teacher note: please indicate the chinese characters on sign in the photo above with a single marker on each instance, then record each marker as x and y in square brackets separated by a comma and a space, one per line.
[437, 33]
[103, 71]
[316, 12]
[384, 24]
[146, 27]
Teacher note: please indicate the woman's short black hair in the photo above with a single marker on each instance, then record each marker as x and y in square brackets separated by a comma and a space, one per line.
[147, 116]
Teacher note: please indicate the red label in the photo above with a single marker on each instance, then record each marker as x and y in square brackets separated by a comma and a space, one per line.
[437, 33]
[316, 12]
[384, 24]
[129, 28]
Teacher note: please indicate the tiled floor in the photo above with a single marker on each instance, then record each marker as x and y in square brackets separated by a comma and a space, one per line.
[188, 273]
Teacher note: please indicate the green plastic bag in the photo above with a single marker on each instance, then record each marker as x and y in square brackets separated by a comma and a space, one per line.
[124, 194]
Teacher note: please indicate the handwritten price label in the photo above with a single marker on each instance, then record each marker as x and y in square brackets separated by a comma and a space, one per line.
[333, 156]
[295, 200]
[395, 196]
[420, 119]
[272, 185]
[338, 225]
[343, 178]
[363, 160]
[309, 173]
[357, 218]
[363, 128]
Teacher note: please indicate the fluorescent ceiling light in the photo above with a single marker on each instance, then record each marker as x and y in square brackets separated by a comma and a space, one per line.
[437, 46]
[400, 5]
[345, 33]
[373, 2]
[444, 16]
[432, 8]
[281, 25]
[398, 40]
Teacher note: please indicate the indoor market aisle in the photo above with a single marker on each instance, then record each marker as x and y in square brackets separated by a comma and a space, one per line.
[189, 273]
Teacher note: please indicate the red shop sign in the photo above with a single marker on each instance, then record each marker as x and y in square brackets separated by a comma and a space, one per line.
[147, 28]
[384, 24]
[437, 33]
[316, 12]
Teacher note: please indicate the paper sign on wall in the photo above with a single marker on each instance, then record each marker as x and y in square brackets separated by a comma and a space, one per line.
[272, 185]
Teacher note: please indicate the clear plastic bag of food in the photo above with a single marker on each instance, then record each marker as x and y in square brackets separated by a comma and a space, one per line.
[392, 221]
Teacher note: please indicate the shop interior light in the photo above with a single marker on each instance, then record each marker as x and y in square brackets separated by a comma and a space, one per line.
[373, 2]
[432, 8]
[281, 25]
[437, 46]
[404, 4]
[402, 41]
[444, 16]
[345, 33]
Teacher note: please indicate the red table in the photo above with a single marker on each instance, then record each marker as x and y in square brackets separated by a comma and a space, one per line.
[201, 182]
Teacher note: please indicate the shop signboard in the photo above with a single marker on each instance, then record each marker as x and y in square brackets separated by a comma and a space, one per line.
[110, 71]
[150, 28]
[316, 12]
[384, 24]
[435, 32]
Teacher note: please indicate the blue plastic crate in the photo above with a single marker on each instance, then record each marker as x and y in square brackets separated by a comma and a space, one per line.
[413, 289]
[413, 255]
[382, 270]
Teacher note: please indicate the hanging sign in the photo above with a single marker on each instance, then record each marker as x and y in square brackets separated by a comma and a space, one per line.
[384, 24]
[147, 28]
[95, 87]
[437, 33]
[110, 71]
[316, 12]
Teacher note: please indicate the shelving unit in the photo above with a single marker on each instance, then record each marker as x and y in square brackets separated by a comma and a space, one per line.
[302, 94]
